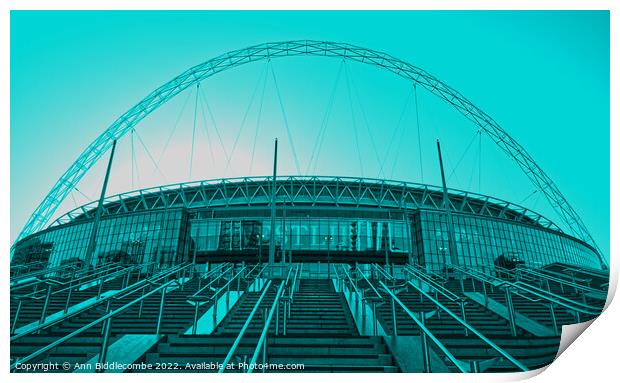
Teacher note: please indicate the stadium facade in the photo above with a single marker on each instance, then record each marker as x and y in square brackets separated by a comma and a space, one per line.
[335, 219]
[298, 273]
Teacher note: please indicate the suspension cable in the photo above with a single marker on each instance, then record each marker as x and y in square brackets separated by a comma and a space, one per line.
[203, 97]
[174, 128]
[471, 142]
[245, 116]
[394, 133]
[365, 119]
[288, 131]
[191, 156]
[258, 117]
[357, 144]
[417, 123]
[84, 195]
[149, 155]
[204, 126]
[134, 162]
[318, 142]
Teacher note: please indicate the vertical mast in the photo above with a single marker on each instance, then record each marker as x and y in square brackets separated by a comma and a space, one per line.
[93, 233]
[453, 257]
[272, 236]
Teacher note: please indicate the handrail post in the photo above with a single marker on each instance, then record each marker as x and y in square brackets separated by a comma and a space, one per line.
[107, 311]
[486, 295]
[68, 302]
[553, 318]
[161, 310]
[141, 303]
[46, 304]
[374, 315]
[511, 312]
[104, 346]
[474, 366]
[100, 288]
[394, 321]
[17, 311]
[463, 315]
[277, 315]
[287, 308]
[426, 357]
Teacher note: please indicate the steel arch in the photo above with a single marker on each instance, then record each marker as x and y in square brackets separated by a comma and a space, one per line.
[161, 95]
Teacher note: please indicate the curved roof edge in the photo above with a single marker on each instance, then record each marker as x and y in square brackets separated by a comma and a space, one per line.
[307, 190]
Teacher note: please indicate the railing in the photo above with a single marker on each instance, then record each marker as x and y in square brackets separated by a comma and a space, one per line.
[106, 320]
[197, 298]
[235, 344]
[140, 285]
[439, 290]
[550, 298]
[469, 328]
[551, 276]
[427, 334]
[32, 279]
[72, 285]
[261, 345]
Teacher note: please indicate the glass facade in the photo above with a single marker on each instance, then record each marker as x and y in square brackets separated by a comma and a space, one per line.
[169, 236]
[480, 240]
[133, 238]
[320, 234]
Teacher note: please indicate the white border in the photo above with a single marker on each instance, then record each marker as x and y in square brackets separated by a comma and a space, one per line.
[592, 357]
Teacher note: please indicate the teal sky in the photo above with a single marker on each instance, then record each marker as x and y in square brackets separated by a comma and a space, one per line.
[544, 76]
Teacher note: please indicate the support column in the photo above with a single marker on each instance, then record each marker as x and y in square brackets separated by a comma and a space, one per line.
[93, 234]
[446, 204]
[272, 236]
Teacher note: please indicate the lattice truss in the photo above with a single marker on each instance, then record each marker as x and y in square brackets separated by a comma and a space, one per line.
[306, 191]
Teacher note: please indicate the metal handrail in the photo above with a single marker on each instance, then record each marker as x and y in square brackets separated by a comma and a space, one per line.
[80, 282]
[372, 287]
[107, 318]
[261, 344]
[459, 364]
[548, 296]
[351, 281]
[195, 297]
[56, 269]
[561, 281]
[121, 293]
[89, 274]
[211, 272]
[470, 328]
[235, 344]
[440, 289]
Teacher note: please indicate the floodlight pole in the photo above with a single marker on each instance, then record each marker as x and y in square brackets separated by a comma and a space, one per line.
[446, 205]
[93, 234]
[272, 237]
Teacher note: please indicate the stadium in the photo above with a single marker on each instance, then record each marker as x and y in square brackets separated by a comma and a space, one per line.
[299, 273]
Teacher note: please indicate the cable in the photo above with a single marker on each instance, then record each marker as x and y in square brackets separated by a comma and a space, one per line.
[357, 144]
[318, 142]
[191, 156]
[260, 112]
[288, 131]
[365, 119]
[245, 116]
[203, 96]
[394, 133]
[174, 128]
[204, 126]
[463, 155]
[417, 122]
[150, 156]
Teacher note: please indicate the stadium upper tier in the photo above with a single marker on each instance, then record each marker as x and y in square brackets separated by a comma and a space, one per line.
[347, 219]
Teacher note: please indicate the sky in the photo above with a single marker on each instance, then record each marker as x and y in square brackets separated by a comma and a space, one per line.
[543, 76]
